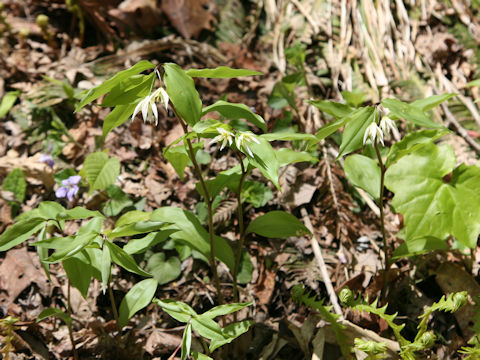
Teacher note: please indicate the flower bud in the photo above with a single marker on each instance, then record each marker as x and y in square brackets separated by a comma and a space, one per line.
[42, 21]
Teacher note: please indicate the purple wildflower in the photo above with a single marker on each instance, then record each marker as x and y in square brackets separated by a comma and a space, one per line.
[69, 188]
[47, 159]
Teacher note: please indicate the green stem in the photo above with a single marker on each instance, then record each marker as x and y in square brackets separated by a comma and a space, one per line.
[112, 302]
[208, 201]
[382, 218]
[241, 228]
[205, 346]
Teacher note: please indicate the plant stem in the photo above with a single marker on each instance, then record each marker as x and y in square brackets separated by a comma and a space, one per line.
[241, 229]
[112, 302]
[382, 218]
[208, 201]
[205, 346]
[69, 324]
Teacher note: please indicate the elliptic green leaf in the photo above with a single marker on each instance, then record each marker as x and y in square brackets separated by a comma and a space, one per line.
[231, 332]
[221, 72]
[8, 101]
[100, 170]
[285, 136]
[355, 130]
[409, 112]
[108, 85]
[128, 91]
[106, 267]
[178, 157]
[54, 312]
[176, 309]
[186, 342]
[431, 102]
[132, 217]
[337, 110]
[224, 309]
[79, 271]
[19, 232]
[117, 117]
[265, 160]
[140, 227]
[200, 356]
[277, 224]
[120, 257]
[78, 212]
[137, 246]
[15, 183]
[234, 111]
[182, 93]
[364, 173]
[419, 246]
[139, 296]
[287, 156]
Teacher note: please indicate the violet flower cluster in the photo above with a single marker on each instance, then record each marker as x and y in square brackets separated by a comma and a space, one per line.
[69, 188]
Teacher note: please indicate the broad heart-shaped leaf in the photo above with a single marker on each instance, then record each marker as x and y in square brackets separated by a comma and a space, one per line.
[410, 112]
[176, 309]
[164, 270]
[355, 130]
[182, 93]
[431, 102]
[108, 85]
[100, 170]
[432, 206]
[8, 100]
[54, 312]
[19, 232]
[139, 296]
[277, 224]
[120, 257]
[128, 91]
[411, 142]
[364, 173]
[337, 110]
[191, 232]
[221, 72]
[265, 160]
[234, 111]
[79, 271]
[117, 117]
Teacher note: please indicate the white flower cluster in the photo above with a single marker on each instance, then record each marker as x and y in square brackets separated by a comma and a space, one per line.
[148, 105]
[374, 131]
[242, 138]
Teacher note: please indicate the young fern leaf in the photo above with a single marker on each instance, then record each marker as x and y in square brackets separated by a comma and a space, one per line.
[299, 295]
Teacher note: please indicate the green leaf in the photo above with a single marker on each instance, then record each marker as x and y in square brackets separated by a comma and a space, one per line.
[50, 209]
[409, 112]
[117, 117]
[176, 309]
[179, 159]
[164, 270]
[71, 246]
[355, 129]
[234, 111]
[137, 246]
[245, 270]
[130, 90]
[277, 224]
[433, 206]
[106, 267]
[108, 85]
[287, 156]
[100, 170]
[231, 332]
[265, 160]
[256, 193]
[186, 342]
[15, 183]
[132, 217]
[412, 142]
[354, 116]
[419, 246]
[138, 297]
[200, 356]
[207, 328]
[224, 310]
[221, 72]
[79, 271]
[56, 313]
[182, 93]
[337, 110]
[19, 232]
[140, 227]
[214, 186]
[431, 102]
[354, 98]
[364, 173]
[284, 136]
[470, 84]
[8, 100]
[191, 232]
[78, 212]
[120, 257]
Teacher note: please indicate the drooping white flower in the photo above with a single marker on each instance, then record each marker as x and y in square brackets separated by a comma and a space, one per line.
[387, 125]
[148, 105]
[224, 136]
[373, 132]
[242, 139]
